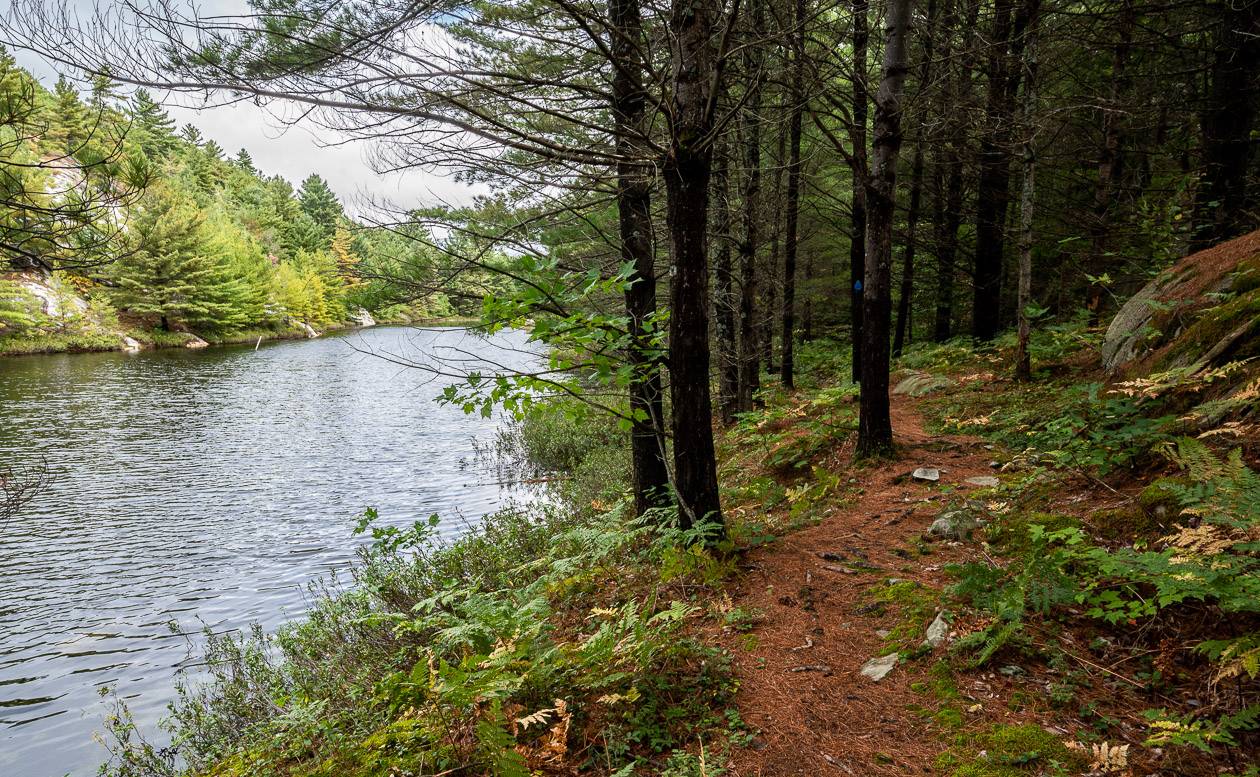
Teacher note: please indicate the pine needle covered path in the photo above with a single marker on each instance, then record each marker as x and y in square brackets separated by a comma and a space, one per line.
[825, 606]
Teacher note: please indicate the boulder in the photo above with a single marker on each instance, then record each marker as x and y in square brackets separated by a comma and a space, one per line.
[1202, 311]
[362, 318]
[957, 522]
[194, 341]
[130, 344]
[937, 632]
[926, 474]
[308, 329]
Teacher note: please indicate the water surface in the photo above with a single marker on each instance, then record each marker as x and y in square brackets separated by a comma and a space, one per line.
[193, 487]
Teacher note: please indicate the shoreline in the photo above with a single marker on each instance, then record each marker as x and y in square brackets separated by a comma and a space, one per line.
[53, 344]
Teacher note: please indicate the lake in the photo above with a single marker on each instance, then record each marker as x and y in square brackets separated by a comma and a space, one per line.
[206, 488]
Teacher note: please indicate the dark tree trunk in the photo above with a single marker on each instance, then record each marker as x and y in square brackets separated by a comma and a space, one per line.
[874, 419]
[1027, 201]
[749, 346]
[949, 202]
[634, 208]
[857, 224]
[1109, 160]
[907, 257]
[1227, 124]
[792, 206]
[687, 171]
[724, 303]
[906, 297]
[993, 193]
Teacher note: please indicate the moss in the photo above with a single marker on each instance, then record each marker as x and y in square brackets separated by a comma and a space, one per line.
[1215, 323]
[1012, 751]
[948, 718]
[915, 605]
[1011, 532]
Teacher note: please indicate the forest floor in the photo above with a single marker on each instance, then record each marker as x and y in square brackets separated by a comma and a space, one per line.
[801, 685]
[861, 579]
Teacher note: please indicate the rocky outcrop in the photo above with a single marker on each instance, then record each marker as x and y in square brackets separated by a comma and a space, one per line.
[362, 318]
[56, 298]
[1204, 310]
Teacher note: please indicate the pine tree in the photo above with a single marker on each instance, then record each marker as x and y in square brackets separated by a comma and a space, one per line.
[167, 273]
[68, 130]
[320, 204]
[245, 161]
[19, 310]
[156, 130]
[213, 150]
[191, 135]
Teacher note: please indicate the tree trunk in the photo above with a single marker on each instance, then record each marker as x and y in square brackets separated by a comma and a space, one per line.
[949, 164]
[993, 192]
[650, 474]
[687, 170]
[874, 420]
[906, 297]
[724, 298]
[1108, 163]
[790, 238]
[1023, 359]
[908, 251]
[1227, 123]
[749, 346]
[857, 224]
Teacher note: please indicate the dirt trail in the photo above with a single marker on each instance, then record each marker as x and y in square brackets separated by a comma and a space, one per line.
[829, 719]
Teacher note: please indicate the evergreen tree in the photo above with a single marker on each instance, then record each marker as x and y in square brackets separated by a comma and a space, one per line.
[167, 273]
[245, 161]
[68, 129]
[320, 204]
[343, 251]
[155, 129]
[191, 135]
[19, 309]
[213, 150]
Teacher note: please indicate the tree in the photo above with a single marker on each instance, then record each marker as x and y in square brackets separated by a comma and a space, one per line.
[320, 204]
[874, 418]
[167, 273]
[792, 210]
[19, 309]
[155, 129]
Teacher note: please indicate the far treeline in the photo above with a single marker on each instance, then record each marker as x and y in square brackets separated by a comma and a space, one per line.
[687, 189]
[103, 194]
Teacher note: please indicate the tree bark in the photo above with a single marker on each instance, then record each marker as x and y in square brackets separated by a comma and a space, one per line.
[1227, 123]
[906, 296]
[857, 223]
[874, 419]
[687, 170]
[791, 238]
[724, 295]
[650, 475]
[749, 346]
[1027, 202]
[1109, 160]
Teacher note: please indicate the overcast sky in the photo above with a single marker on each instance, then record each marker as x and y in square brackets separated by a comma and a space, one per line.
[296, 152]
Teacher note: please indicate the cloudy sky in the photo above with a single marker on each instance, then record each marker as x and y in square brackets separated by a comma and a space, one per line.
[296, 152]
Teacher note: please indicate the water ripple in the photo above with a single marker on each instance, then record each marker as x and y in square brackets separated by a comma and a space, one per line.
[201, 487]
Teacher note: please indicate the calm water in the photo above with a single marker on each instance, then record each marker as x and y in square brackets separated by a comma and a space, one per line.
[202, 487]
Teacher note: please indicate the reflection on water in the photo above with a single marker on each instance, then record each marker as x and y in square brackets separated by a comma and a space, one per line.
[196, 487]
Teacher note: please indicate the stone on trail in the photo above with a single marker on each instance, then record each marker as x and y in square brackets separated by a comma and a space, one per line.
[955, 523]
[878, 668]
[984, 481]
[927, 474]
[938, 632]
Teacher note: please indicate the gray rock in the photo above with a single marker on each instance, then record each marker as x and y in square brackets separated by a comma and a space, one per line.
[938, 632]
[130, 344]
[984, 481]
[918, 384]
[195, 342]
[955, 523]
[926, 474]
[878, 668]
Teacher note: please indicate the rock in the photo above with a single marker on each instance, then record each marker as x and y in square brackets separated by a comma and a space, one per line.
[918, 384]
[955, 523]
[1179, 317]
[195, 342]
[362, 318]
[308, 329]
[926, 474]
[937, 632]
[130, 344]
[878, 668]
[984, 481]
